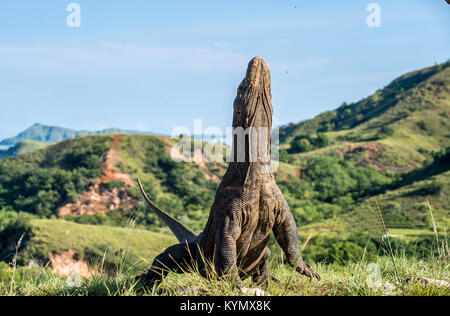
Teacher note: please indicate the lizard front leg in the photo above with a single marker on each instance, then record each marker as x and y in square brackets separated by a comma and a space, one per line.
[285, 231]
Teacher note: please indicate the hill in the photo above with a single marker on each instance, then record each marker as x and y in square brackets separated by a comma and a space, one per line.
[59, 179]
[394, 130]
[54, 134]
[404, 97]
[21, 148]
[84, 245]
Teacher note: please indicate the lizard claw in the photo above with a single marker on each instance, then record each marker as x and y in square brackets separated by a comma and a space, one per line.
[306, 270]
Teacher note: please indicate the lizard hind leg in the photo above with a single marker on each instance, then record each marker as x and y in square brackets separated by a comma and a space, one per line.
[179, 258]
[261, 275]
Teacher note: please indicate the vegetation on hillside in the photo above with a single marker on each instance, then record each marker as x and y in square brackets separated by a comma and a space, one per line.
[305, 143]
[413, 92]
[21, 148]
[39, 182]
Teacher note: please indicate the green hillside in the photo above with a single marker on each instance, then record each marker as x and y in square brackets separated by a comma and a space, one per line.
[364, 149]
[404, 125]
[132, 248]
[21, 148]
[38, 182]
[408, 96]
[396, 129]
[42, 181]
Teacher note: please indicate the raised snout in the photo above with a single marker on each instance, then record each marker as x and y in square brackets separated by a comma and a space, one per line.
[258, 74]
[252, 106]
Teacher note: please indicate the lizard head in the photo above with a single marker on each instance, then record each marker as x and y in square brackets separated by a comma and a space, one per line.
[253, 103]
[252, 118]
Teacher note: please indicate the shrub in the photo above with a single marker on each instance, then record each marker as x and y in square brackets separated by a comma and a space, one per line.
[434, 187]
[284, 156]
[424, 126]
[305, 143]
[386, 131]
[114, 184]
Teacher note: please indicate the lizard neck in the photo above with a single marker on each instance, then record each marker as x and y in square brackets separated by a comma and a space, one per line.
[251, 156]
[245, 175]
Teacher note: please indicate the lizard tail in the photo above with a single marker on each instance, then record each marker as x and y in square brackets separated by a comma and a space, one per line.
[180, 231]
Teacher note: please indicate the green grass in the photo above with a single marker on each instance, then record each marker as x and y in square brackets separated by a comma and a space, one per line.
[355, 279]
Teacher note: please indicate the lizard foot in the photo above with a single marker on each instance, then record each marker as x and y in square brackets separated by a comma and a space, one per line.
[306, 270]
[253, 292]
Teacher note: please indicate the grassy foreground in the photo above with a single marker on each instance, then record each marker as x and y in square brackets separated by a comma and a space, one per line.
[398, 277]
[116, 255]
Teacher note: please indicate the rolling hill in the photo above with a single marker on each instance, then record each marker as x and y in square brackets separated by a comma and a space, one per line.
[21, 148]
[401, 132]
[85, 244]
[396, 128]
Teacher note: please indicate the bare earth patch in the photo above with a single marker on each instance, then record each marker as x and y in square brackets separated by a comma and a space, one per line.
[65, 265]
[109, 171]
[98, 198]
[198, 157]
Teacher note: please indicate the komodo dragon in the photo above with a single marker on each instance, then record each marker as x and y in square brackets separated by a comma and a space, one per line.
[248, 205]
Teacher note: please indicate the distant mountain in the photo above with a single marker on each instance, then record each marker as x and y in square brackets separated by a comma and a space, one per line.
[54, 134]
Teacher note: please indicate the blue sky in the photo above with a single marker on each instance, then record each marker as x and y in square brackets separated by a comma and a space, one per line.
[154, 65]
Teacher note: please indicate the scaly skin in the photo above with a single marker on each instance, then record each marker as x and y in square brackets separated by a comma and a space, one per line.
[248, 204]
